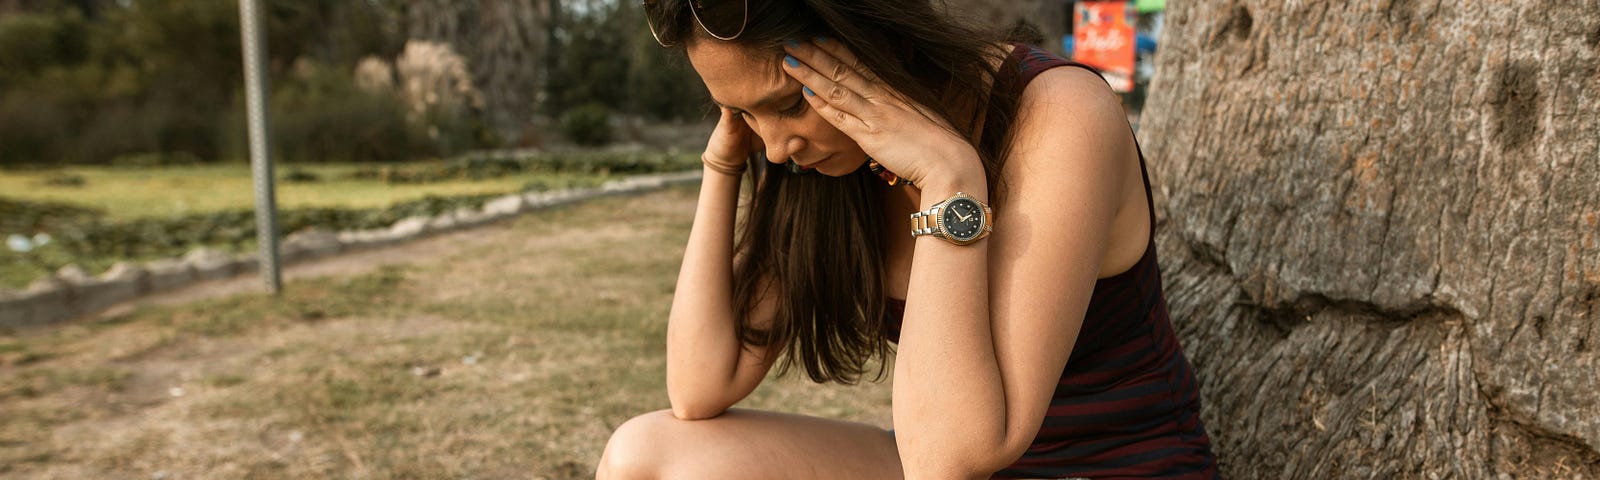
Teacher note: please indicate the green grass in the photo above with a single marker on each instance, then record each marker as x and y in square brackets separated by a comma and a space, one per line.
[102, 215]
[512, 358]
[133, 192]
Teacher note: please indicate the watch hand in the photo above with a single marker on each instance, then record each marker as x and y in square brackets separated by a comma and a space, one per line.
[963, 217]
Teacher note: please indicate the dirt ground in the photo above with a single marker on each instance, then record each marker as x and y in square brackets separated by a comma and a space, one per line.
[506, 351]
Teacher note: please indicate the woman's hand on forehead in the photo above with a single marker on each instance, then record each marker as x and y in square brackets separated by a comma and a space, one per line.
[905, 137]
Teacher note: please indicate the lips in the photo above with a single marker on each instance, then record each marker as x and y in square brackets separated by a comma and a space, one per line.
[812, 165]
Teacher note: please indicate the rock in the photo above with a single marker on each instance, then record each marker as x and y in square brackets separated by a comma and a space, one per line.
[71, 273]
[310, 243]
[409, 226]
[167, 274]
[209, 264]
[506, 205]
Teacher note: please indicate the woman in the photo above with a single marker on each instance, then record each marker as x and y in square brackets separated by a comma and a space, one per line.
[1032, 337]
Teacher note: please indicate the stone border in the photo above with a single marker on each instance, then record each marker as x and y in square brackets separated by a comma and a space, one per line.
[71, 293]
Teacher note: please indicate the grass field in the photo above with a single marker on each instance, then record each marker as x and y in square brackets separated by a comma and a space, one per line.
[145, 213]
[130, 192]
[513, 356]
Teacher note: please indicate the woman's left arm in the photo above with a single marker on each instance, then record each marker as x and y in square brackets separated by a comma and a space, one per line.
[975, 370]
[989, 326]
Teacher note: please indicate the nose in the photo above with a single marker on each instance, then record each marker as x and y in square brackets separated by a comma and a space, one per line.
[781, 143]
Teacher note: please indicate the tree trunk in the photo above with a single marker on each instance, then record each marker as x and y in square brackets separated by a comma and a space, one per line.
[505, 42]
[510, 54]
[1379, 232]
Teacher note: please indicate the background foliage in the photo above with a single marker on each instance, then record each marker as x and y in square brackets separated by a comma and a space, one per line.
[103, 81]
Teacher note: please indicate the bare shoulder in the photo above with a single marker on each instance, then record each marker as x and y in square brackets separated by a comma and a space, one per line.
[1069, 120]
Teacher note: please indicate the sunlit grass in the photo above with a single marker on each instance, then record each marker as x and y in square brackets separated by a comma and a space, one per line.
[133, 192]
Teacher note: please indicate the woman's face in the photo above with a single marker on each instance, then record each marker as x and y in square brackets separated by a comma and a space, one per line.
[753, 84]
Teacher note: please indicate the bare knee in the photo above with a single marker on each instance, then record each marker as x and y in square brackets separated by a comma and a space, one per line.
[636, 449]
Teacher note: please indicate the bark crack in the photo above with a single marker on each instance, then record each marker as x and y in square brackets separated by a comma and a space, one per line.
[1312, 304]
[1383, 240]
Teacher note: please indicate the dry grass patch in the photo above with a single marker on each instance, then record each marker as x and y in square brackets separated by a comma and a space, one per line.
[512, 356]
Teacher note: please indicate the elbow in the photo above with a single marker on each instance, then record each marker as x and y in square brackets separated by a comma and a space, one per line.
[981, 460]
[1000, 457]
[690, 412]
[973, 461]
[695, 407]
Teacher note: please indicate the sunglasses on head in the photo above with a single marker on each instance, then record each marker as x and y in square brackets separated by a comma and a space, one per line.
[723, 19]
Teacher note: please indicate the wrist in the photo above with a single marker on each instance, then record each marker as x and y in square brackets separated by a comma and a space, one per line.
[712, 168]
[942, 186]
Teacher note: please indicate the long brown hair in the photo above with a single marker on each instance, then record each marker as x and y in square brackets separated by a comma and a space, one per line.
[818, 239]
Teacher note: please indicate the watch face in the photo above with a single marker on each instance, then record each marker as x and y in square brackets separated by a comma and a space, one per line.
[962, 219]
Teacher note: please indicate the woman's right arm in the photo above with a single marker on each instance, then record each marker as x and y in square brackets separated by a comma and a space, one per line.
[707, 368]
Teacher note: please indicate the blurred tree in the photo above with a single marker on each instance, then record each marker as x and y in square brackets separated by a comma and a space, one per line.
[505, 43]
[661, 83]
[593, 58]
[146, 76]
[32, 42]
[1382, 233]
[509, 64]
[608, 57]
[323, 116]
[94, 80]
[1048, 17]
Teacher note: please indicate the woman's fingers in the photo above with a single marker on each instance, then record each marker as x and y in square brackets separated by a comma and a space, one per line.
[844, 56]
[840, 68]
[846, 122]
[821, 87]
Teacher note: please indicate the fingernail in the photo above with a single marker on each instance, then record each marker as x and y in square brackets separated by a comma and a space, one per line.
[808, 91]
[822, 39]
[791, 61]
[792, 44]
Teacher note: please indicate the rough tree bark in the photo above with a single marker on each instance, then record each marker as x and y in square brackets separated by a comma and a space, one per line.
[1379, 234]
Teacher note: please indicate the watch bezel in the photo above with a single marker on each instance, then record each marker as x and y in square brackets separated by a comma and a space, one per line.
[983, 219]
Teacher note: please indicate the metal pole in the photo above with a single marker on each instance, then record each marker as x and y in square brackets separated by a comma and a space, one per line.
[255, 87]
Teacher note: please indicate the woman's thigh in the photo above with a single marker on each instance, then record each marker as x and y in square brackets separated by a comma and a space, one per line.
[748, 444]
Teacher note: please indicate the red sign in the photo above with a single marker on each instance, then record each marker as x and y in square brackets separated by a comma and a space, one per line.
[1104, 39]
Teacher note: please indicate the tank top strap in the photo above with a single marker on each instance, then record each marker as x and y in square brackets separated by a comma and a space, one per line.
[1030, 61]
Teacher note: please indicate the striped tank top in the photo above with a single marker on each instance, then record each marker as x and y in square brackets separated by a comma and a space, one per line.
[1127, 404]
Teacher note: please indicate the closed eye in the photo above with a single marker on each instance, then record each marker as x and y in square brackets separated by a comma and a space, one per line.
[794, 110]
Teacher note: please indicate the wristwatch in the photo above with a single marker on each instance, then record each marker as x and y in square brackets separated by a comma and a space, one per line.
[959, 219]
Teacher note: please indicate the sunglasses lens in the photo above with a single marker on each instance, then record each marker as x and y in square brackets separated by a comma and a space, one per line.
[724, 19]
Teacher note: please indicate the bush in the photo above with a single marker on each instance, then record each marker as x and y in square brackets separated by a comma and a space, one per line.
[301, 176]
[483, 167]
[30, 42]
[325, 118]
[588, 125]
[28, 217]
[156, 159]
[65, 180]
[31, 129]
[88, 235]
